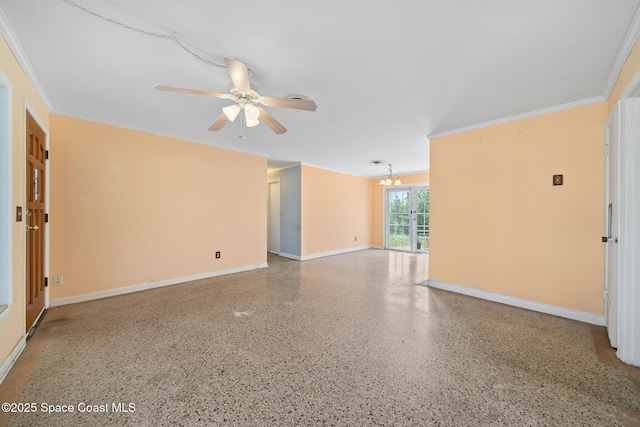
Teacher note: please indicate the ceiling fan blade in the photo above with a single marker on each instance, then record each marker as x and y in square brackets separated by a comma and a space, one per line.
[219, 123]
[190, 91]
[270, 121]
[239, 74]
[296, 104]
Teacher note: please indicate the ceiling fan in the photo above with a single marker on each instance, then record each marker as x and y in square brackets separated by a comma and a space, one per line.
[246, 100]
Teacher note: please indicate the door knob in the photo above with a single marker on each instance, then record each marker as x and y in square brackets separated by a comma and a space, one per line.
[34, 228]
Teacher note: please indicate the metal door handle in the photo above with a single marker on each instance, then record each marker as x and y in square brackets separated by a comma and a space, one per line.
[34, 228]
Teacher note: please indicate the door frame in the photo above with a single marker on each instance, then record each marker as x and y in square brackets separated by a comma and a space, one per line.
[629, 246]
[612, 230]
[385, 225]
[28, 108]
[6, 203]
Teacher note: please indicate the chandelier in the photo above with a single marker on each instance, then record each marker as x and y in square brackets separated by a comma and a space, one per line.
[388, 179]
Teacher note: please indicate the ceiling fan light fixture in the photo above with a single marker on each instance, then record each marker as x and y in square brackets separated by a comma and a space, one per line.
[252, 122]
[252, 113]
[231, 111]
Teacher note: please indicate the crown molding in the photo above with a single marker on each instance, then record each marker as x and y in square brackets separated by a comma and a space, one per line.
[151, 132]
[311, 165]
[371, 177]
[522, 116]
[633, 88]
[623, 53]
[21, 57]
[292, 165]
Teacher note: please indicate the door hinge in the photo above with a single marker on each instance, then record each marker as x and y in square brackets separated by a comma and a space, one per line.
[46, 217]
[46, 154]
[46, 282]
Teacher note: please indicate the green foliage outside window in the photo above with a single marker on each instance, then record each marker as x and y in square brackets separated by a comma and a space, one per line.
[399, 213]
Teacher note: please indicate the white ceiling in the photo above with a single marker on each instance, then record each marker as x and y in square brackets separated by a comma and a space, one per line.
[385, 74]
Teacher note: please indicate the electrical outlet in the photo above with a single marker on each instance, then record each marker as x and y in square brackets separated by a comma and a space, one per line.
[58, 280]
[217, 254]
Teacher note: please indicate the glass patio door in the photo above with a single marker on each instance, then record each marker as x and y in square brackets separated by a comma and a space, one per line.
[407, 219]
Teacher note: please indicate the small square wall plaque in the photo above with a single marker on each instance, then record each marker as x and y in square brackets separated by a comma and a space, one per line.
[557, 180]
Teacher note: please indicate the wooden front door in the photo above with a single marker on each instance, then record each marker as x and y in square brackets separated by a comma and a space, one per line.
[34, 220]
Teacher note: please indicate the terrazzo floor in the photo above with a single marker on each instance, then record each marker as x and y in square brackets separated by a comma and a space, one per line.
[348, 340]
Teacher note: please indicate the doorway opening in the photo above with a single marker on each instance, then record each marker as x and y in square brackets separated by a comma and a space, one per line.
[273, 217]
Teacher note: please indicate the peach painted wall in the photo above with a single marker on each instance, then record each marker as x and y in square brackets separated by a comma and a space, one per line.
[130, 208]
[336, 208]
[12, 326]
[629, 70]
[377, 230]
[499, 225]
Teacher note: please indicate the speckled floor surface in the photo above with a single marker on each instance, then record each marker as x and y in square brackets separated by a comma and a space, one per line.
[348, 340]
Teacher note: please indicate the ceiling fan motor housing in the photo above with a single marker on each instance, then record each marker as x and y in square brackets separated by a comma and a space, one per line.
[242, 97]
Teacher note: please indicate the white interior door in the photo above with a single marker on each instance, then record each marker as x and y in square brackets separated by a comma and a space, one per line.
[627, 250]
[612, 218]
[273, 220]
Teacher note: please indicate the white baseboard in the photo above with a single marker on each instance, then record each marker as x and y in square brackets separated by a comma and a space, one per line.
[150, 285]
[324, 254]
[11, 358]
[567, 313]
[336, 252]
[286, 255]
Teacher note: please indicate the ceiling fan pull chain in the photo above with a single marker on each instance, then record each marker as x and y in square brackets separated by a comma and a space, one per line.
[243, 125]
